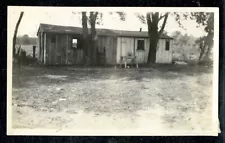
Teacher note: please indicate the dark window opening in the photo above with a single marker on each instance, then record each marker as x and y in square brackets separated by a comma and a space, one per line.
[53, 39]
[74, 43]
[167, 45]
[140, 45]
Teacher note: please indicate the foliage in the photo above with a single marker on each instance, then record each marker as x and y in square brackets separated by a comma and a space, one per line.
[121, 15]
[26, 40]
[206, 43]
[183, 39]
[206, 20]
[184, 47]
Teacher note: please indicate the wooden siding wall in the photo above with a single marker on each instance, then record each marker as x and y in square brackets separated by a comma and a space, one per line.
[42, 47]
[70, 51]
[61, 52]
[51, 49]
[163, 56]
[142, 55]
[110, 48]
[126, 44]
[45, 49]
[38, 47]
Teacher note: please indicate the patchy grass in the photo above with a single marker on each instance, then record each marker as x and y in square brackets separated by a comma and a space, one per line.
[167, 97]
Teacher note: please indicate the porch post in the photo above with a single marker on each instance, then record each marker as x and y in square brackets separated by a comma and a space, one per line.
[34, 50]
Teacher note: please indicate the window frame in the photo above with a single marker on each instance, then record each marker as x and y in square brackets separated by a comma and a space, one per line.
[72, 43]
[167, 48]
[138, 49]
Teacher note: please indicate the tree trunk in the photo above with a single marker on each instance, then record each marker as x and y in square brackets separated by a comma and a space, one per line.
[15, 33]
[209, 45]
[19, 56]
[202, 50]
[153, 38]
[85, 38]
[206, 56]
[201, 54]
[152, 50]
[153, 33]
[93, 50]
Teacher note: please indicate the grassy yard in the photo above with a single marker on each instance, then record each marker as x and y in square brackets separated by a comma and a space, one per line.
[161, 97]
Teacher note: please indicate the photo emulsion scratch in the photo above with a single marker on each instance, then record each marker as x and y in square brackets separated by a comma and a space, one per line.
[112, 71]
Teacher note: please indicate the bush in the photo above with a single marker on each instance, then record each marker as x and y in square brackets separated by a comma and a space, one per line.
[24, 59]
[207, 62]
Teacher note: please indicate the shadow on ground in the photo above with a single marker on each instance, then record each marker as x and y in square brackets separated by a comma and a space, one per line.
[60, 75]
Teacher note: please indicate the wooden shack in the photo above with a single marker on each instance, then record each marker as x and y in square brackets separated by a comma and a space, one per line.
[62, 45]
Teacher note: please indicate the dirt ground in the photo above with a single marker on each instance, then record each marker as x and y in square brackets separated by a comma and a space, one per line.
[157, 98]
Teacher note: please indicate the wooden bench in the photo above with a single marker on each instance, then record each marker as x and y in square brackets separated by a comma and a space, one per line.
[125, 60]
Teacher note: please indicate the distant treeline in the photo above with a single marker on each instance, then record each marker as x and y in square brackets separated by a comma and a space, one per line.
[185, 46]
[26, 40]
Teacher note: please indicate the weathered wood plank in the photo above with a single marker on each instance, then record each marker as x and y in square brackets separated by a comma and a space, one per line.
[114, 50]
[45, 48]
[56, 48]
[118, 52]
[53, 50]
[134, 49]
[41, 48]
[48, 46]
[38, 47]
[63, 49]
[67, 46]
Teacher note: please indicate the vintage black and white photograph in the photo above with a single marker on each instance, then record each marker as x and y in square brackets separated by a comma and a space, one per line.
[112, 71]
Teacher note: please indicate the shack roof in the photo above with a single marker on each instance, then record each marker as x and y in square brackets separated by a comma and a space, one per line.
[101, 32]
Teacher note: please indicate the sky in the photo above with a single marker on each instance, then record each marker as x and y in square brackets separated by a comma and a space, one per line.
[33, 16]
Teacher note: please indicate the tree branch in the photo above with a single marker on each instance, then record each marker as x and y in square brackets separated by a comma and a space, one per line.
[84, 25]
[161, 16]
[121, 15]
[141, 17]
[164, 24]
[157, 16]
[95, 15]
[152, 16]
[148, 17]
[149, 22]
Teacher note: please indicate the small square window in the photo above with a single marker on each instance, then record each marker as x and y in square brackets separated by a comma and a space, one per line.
[74, 43]
[140, 45]
[167, 45]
